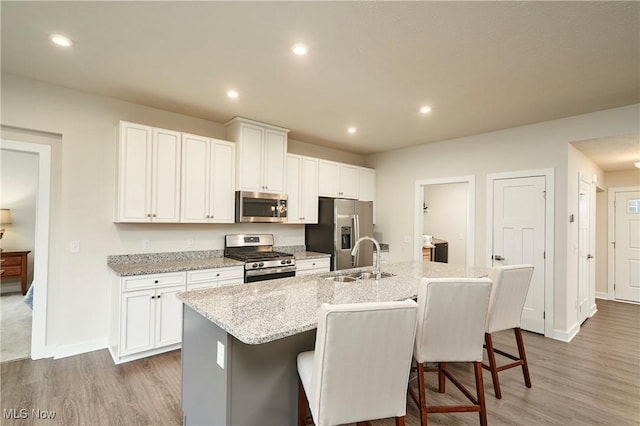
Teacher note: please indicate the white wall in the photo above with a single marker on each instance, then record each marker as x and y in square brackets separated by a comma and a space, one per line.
[537, 146]
[18, 185]
[83, 196]
[447, 217]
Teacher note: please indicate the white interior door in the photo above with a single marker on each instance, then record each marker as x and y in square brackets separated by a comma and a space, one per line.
[584, 250]
[519, 237]
[627, 246]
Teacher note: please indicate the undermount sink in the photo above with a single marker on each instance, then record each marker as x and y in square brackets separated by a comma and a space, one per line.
[354, 276]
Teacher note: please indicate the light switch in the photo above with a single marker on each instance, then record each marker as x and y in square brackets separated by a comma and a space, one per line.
[145, 244]
[220, 355]
[74, 246]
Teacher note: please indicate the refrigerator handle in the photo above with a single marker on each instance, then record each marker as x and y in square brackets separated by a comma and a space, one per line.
[356, 237]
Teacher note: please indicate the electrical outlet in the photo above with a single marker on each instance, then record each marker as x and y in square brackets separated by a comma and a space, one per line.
[74, 246]
[190, 243]
[220, 355]
[145, 244]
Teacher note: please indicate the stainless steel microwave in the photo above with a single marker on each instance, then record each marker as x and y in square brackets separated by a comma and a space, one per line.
[261, 207]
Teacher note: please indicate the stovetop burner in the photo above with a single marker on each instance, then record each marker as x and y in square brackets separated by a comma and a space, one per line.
[258, 255]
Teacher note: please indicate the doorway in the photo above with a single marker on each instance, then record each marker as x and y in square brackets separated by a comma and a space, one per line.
[463, 204]
[41, 241]
[624, 244]
[520, 208]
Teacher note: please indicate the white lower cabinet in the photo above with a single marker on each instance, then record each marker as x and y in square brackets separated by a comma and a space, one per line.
[312, 266]
[146, 316]
[217, 277]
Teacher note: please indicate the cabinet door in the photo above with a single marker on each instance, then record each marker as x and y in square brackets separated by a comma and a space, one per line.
[328, 178]
[293, 189]
[349, 181]
[137, 321]
[195, 184]
[165, 189]
[168, 316]
[367, 184]
[275, 149]
[250, 158]
[309, 190]
[134, 173]
[222, 203]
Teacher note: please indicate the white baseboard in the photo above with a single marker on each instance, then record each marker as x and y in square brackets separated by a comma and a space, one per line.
[11, 288]
[602, 295]
[566, 336]
[80, 348]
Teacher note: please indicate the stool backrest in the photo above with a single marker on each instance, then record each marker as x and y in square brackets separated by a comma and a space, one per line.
[451, 317]
[510, 287]
[362, 361]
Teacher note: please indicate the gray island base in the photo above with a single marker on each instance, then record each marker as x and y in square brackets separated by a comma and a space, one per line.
[240, 343]
[257, 386]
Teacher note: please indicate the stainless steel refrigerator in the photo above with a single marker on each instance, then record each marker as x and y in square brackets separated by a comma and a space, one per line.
[340, 223]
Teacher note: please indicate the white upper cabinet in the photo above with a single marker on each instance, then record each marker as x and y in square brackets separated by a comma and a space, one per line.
[367, 184]
[261, 151]
[338, 180]
[207, 190]
[148, 174]
[302, 189]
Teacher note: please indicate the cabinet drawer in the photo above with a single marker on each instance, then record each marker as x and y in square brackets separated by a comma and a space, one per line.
[320, 263]
[215, 283]
[10, 260]
[152, 281]
[10, 271]
[215, 274]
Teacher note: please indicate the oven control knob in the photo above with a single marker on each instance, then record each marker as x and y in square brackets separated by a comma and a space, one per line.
[255, 265]
[282, 262]
[289, 261]
[261, 264]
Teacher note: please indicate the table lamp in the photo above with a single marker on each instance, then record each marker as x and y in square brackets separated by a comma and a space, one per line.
[5, 217]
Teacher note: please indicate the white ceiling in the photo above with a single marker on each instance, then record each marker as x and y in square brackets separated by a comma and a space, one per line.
[482, 66]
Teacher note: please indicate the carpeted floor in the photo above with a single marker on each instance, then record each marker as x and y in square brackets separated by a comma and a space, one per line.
[15, 328]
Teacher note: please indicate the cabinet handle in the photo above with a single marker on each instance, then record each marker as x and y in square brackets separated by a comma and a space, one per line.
[153, 215]
[217, 275]
[153, 297]
[158, 296]
[148, 214]
[156, 282]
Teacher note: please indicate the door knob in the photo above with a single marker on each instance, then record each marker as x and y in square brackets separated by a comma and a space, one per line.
[589, 256]
[497, 257]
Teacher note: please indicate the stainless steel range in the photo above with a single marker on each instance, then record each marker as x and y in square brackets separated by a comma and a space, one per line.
[260, 261]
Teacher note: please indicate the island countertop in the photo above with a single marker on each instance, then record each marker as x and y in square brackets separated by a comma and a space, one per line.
[265, 311]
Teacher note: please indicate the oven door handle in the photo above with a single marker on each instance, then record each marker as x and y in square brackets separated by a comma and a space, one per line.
[267, 271]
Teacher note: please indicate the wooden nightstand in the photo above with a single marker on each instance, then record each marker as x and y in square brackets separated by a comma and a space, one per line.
[13, 264]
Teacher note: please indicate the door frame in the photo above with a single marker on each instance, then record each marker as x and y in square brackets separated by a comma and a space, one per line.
[418, 222]
[611, 253]
[39, 348]
[549, 283]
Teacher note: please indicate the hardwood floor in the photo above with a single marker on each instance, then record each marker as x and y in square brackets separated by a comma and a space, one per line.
[595, 379]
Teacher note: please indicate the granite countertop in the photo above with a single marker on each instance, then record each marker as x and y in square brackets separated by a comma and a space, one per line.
[158, 263]
[270, 310]
[304, 255]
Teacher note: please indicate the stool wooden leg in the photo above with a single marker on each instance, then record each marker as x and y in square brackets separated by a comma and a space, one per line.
[302, 405]
[523, 356]
[492, 364]
[441, 377]
[421, 395]
[477, 366]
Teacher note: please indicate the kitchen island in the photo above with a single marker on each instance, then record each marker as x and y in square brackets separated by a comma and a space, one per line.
[240, 343]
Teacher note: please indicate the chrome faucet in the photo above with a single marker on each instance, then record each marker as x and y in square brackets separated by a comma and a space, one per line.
[376, 266]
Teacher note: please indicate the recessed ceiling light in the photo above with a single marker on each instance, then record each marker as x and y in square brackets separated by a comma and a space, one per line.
[352, 130]
[232, 94]
[425, 109]
[300, 49]
[60, 40]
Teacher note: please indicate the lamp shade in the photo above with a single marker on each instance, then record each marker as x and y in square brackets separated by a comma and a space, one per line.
[5, 216]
